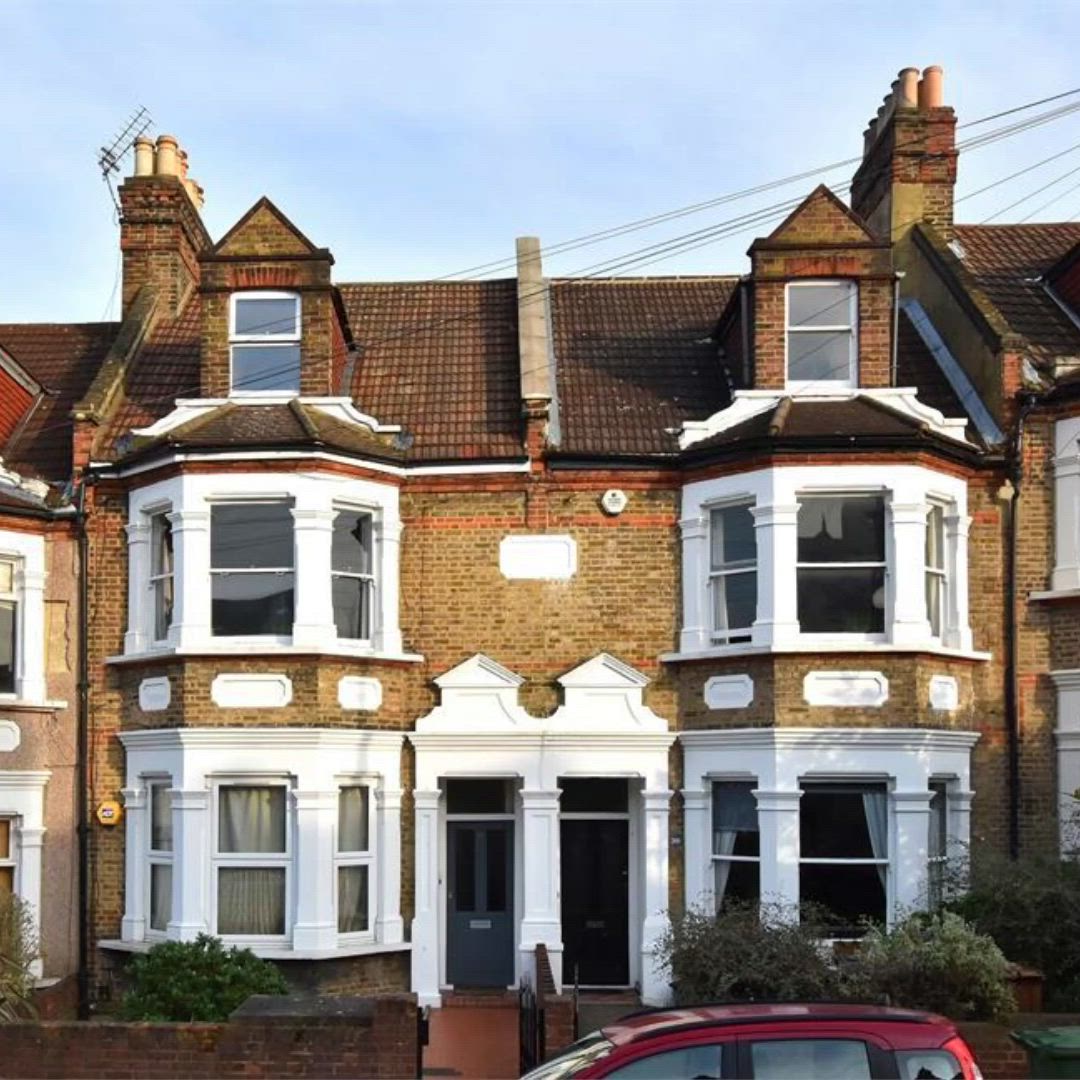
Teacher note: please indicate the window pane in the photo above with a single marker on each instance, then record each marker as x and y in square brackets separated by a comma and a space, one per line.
[935, 537]
[841, 528]
[736, 881]
[810, 1059]
[265, 316]
[464, 883]
[477, 797]
[352, 607]
[163, 607]
[496, 869]
[732, 536]
[251, 536]
[852, 893]
[939, 818]
[734, 604]
[835, 821]
[5, 838]
[820, 305]
[7, 880]
[251, 901]
[251, 819]
[352, 542]
[265, 367]
[162, 546]
[160, 896]
[7, 646]
[7, 576]
[935, 602]
[252, 604]
[593, 795]
[819, 356]
[160, 818]
[734, 814]
[843, 601]
[352, 899]
[353, 818]
[695, 1061]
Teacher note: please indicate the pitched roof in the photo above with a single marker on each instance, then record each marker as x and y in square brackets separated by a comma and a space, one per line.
[634, 359]
[916, 366]
[1006, 261]
[63, 358]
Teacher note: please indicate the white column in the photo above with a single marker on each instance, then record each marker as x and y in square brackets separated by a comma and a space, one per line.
[313, 615]
[191, 554]
[777, 534]
[31, 682]
[655, 979]
[389, 926]
[191, 864]
[696, 621]
[909, 621]
[907, 865]
[425, 926]
[315, 926]
[387, 591]
[136, 845]
[30, 840]
[137, 637]
[541, 921]
[958, 629]
[778, 821]
[697, 850]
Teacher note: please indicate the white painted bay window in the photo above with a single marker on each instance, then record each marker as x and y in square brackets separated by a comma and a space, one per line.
[22, 617]
[22, 835]
[161, 574]
[354, 859]
[351, 570]
[160, 834]
[7, 857]
[264, 342]
[822, 349]
[732, 572]
[937, 575]
[736, 850]
[9, 626]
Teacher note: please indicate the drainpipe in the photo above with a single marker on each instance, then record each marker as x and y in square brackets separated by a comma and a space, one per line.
[898, 277]
[82, 756]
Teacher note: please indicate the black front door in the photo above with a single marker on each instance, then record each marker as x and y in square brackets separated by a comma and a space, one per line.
[480, 903]
[595, 897]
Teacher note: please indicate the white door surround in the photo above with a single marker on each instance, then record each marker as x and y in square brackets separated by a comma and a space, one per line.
[602, 729]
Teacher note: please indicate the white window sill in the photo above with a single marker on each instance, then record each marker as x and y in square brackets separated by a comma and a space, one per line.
[813, 647]
[12, 701]
[276, 952]
[249, 648]
[1055, 594]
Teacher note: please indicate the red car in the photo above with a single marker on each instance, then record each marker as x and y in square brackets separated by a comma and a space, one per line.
[770, 1042]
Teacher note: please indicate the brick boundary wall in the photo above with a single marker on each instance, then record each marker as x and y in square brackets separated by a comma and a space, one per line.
[346, 1037]
[558, 1009]
[998, 1055]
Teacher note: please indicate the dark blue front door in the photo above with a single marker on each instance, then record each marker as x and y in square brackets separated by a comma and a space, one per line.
[480, 903]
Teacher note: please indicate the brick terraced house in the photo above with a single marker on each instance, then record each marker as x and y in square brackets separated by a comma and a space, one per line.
[432, 621]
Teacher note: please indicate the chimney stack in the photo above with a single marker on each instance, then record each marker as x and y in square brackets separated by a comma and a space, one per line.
[908, 170]
[534, 344]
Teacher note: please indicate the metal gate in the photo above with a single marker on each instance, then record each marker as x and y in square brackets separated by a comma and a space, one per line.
[530, 1027]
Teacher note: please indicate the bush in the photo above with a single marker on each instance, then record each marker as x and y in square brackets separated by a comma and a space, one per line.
[18, 950]
[196, 980]
[740, 955]
[937, 962]
[1031, 908]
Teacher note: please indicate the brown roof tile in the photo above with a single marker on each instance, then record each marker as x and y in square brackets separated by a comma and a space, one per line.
[634, 360]
[1005, 260]
[63, 358]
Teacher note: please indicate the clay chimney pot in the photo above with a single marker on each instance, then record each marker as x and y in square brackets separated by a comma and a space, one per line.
[909, 88]
[931, 88]
[167, 163]
[144, 156]
[182, 160]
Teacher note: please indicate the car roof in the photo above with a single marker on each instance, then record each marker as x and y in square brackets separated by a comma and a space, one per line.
[655, 1022]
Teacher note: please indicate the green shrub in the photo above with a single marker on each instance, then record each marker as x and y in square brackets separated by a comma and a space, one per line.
[18, 950]
[937, 962]
[196, 980]
[740, 955]
[1031, 908]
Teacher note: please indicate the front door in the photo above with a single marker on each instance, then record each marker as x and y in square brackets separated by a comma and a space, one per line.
[480, 903]
[595, 898]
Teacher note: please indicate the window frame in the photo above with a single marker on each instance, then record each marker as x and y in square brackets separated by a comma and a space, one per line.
[941, 573]
[851, 328]
[15, 598]
[739, 635]
[887, 565]
[160, 524]
[253, 860]
[10, 861]
[371, 592]
[714, 858]
[155, 856]
[368, 858]
[291, 340]
[935, 864]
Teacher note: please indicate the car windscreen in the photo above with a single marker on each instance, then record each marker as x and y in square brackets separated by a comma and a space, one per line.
[574, 1058]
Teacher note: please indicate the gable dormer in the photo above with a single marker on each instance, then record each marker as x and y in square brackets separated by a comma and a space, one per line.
[270, 326]
[822, 287]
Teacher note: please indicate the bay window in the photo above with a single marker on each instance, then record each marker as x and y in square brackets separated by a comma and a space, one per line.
[264, 342]
[936, 574]
[821, 333]
[732, 571]
[161, 574]
[251, 568]
[937, 842]
[9, 626]
[160, 857]
[351, 572]
[354, 859]
[736, 845]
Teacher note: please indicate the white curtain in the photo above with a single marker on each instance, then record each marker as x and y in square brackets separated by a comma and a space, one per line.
[160, 895]
[251, 900]
[352, 899]
[876, 809]
[353, 819]
[723, 844]
[817, 516]
[251, 819]
[160, 818]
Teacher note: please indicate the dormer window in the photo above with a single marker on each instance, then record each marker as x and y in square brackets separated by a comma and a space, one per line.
[821, 328]
[264, 342]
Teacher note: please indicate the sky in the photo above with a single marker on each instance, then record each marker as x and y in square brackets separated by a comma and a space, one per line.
[418, 139]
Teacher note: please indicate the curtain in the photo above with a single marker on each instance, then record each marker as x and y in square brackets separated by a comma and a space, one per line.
[734, 810]
[251, 901]
[160, 818]
[352, 899]
[723, 844]
[251, 819]
[160, 895]
[817, 516]
[353, 819]
[876, 810]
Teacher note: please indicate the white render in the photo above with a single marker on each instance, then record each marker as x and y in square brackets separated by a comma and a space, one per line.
[729, 691]
[314, 762]
[188, 498]
[359, 692]
[28, 552]
[155, 694]
[1067, 737]
[850, 689]
[602, 729]
[22, 797]
[775, 494]
[1066, 573]
[944, 693]
[779, 759]
[251, 690]
[545, 557]
[10, 736]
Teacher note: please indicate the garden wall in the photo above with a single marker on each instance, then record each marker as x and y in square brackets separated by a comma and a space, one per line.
[999, 1057]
